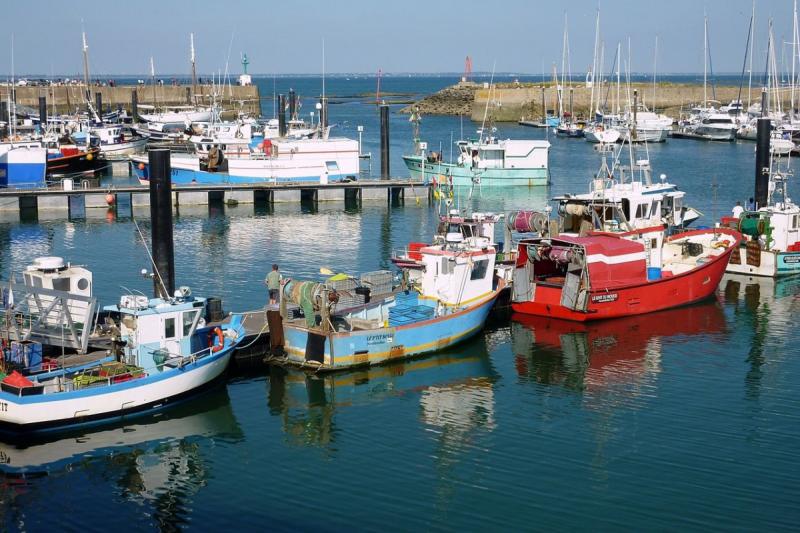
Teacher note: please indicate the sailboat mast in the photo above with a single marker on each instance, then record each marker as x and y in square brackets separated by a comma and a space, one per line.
[655, 69]
[86, 67]
[794, 59]
[12, 106]
[752, 45]
[619, 61]
[594, 61]
[705, 61]
[153, 77]
[194, 70]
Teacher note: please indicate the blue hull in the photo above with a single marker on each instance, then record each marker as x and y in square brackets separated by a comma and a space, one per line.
[342, 350]
[22, 175]
[788, 263]
[182, 176]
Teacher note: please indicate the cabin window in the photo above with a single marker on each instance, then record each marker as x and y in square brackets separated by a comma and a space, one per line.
[446, 266]
[794, 221]
[61, 284]
[169, 328]
[479, 269]
[333, 166]
[626, 208]
[641, 211]
[188, 321]
[654, 208]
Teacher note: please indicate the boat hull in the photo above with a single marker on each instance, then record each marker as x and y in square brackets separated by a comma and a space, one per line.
[23, 168]
[635, 299]
[27, 415]
[79, 163]
[772, 264]
[184, 176]
[462, 176]
[375, 346]
[120, 150]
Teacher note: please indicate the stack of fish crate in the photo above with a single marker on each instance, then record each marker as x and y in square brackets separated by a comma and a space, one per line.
[378, 282]
[347, 292]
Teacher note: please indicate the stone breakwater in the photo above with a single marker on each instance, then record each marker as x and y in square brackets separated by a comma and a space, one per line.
[513, 102]
[68, 98]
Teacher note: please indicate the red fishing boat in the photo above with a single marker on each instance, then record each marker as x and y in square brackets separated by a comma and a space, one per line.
[603, 276]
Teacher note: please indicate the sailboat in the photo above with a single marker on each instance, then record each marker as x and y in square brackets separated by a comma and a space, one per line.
[568, 126]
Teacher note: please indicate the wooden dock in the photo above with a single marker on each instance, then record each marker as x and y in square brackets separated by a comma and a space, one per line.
[78, 202]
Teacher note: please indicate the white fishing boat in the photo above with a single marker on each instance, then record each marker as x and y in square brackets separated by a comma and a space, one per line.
[175, 114]
[114, 140]
[162, 351]
[771, 246]
[308, 160]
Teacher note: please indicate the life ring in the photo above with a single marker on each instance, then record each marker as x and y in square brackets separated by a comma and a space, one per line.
[216, 335]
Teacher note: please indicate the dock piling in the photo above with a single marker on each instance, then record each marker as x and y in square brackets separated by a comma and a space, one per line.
[281, 115]
[98, 101]
[762, 161]
[323, 113]
[135, 105]
[161, 223]
[3, 117]
[292, 105]
[42, 113]
[384, 142]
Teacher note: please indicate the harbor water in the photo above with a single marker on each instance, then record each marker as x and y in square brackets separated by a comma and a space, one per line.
[685, 419]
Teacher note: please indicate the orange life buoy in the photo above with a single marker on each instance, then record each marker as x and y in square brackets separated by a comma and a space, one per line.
[216, 335]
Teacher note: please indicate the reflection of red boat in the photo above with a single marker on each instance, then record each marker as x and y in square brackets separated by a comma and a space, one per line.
[618, 345]
[604, 276]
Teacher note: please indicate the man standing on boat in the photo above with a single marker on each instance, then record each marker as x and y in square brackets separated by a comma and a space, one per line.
[738, 210]
[273, 281]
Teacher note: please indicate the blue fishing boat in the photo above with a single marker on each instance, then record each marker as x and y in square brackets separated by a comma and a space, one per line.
[449, 303]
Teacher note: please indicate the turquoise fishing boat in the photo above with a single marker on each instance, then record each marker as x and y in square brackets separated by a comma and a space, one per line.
[448, 304]
[486, 161]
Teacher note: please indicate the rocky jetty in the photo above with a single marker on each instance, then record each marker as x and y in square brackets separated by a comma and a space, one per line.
[454, 100]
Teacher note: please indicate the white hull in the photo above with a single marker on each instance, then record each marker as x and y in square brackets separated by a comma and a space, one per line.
[67, 408]
[175, 117]
[601, 136]
[123, 149]
[715, 134]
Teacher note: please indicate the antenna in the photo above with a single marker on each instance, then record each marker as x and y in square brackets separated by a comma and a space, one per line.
[152, 261]
[323, 67]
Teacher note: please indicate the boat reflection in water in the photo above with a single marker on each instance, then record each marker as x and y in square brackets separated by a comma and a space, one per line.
[764, 311]
[455, 389]
[158, 460]
[623, 351]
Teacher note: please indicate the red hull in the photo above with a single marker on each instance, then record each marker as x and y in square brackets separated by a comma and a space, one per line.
[633, 299]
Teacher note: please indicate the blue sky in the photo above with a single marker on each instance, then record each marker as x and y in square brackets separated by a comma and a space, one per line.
[362, 36]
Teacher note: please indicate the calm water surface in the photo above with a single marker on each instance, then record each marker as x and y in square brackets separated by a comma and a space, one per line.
[686, 419]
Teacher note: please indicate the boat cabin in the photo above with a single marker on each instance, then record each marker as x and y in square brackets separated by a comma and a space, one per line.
[156, 332]
[454, 275]
[631, 203]
[503, 154]
[52, 273]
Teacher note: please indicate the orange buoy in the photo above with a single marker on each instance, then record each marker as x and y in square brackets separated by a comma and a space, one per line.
[110, 199]
[89, 157]
[141, 166]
